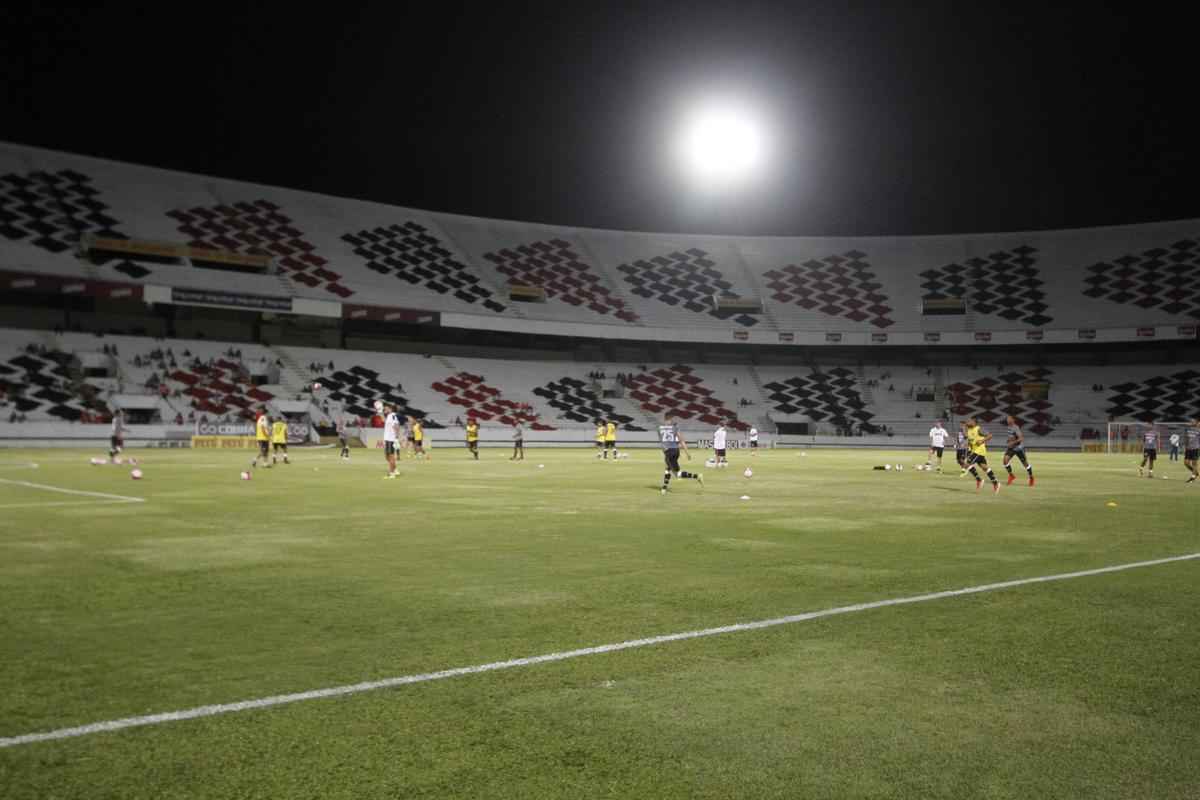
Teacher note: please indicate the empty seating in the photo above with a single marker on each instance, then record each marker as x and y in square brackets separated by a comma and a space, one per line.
[1172, 397]
[555, 267]
[577, 403]
[837, 285]
[1006, 283]
[688, 280]
[411, 254]
[1162, 277]
[991, 399]
[678, 390]
[486, 403]
[259, 228]
[831, 396]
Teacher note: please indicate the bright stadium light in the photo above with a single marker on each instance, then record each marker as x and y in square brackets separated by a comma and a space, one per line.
[722, 146]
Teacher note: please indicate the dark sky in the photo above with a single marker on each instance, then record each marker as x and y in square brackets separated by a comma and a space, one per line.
[889, 120]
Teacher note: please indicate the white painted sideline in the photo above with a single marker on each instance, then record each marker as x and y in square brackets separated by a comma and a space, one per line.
[120, 497]
[369, 686]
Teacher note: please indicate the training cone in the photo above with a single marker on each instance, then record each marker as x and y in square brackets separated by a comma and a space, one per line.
[748, 473]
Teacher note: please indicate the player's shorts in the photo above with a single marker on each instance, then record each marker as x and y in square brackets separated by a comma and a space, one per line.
[1191, 455]
[264, 447]
[1019, 452]
[754, 443]
[116, 442]
[976, 459]
[610, 444]
[472, 444]
[721, 453]
[419, 445]
[389, 448]
[519, 443]
[600, 445]
[961, 455]
[1150, 453]
[938, 451]
[671, 457]
[277, 446]
[343, 441]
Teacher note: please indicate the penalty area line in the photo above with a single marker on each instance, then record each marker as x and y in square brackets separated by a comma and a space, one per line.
[425, 677]
[118, 497]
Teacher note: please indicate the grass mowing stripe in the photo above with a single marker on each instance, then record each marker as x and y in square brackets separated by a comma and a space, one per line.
[121, 497]
[368, 686]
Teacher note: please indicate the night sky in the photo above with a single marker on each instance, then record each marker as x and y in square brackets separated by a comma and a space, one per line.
[889, 120]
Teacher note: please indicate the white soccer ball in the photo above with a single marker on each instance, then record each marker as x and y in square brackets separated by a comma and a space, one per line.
[710, 463]
[899, 466]
[749, 473]
[887, 466]
[245, 475]
[116, 459]
[136, 474]
[98, 462]
[316, 387]
[541, 466]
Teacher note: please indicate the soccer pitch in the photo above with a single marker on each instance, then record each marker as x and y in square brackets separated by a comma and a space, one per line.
[192, 588]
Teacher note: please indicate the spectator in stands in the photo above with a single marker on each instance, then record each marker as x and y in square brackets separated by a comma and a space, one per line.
[179, 419]
[331, 367]
[891, 387]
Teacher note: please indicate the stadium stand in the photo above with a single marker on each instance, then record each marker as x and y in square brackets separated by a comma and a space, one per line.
[1130, 277]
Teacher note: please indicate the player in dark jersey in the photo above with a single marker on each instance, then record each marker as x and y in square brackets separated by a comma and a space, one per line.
[116, 439]
[1150, 444]
[672, 442]
[960, 448]
[1016, 447]
[1191, 449]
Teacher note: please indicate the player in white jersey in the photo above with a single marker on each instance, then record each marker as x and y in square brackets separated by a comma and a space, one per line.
[391, 438]
[937, 444]
[719, 446]
[753, 441]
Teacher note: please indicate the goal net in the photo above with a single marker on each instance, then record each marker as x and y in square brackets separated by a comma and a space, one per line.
[1130, 436]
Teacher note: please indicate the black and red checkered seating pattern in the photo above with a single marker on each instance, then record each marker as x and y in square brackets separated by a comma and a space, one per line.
[218, 388]
[34, 385]
[1006, 283]
[831, 396]
[575, 399]
[992, 399]
[679, 390]
[486, 403]
[412, 254]
[561, 273]
[259, 229]
[1166, 278]
[357, 388]
[684, 280]
[54, 210]
[1173, 397]
[837, 285]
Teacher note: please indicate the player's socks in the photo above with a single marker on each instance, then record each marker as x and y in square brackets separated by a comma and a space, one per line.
[992, 477]
[666, 480]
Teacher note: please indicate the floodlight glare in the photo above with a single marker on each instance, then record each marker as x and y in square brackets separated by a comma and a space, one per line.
[721, 146]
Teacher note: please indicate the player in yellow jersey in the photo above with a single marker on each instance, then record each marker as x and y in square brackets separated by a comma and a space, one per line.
[977, 441]
[279, 441]
[418, 434]
[610, 439]
[262, 436]
[601, 428]
[473, 437]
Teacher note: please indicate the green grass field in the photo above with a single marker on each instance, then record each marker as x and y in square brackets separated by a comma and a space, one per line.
[321, 574]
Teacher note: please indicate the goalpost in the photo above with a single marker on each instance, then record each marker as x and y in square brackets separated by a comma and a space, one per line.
[1126, 436]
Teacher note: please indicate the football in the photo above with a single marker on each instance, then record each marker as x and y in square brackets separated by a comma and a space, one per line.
[245, 476]
[749, 472]
[316, 387]
[136, 474]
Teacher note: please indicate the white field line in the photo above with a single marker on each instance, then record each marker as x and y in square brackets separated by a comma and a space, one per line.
[120, 497]
[370, 686]
[52, 503]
